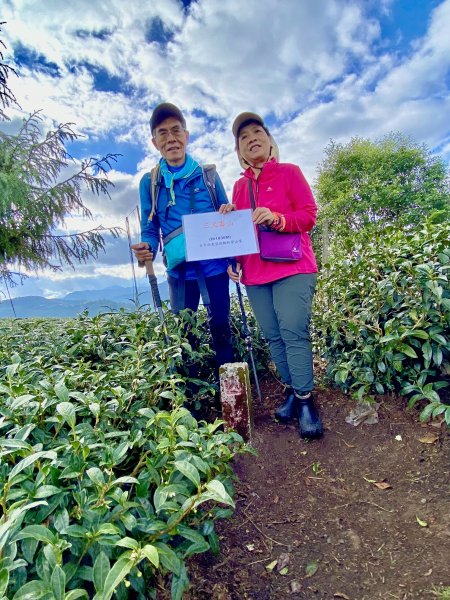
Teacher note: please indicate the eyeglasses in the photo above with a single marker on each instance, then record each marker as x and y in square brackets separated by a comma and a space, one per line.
[163, 134]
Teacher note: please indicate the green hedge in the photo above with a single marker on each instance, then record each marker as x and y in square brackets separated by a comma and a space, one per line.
[107, 484]
[382, 316]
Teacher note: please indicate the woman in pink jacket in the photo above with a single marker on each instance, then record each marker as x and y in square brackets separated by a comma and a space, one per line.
[280, 293]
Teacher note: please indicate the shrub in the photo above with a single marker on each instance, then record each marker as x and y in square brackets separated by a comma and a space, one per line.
[102, 491]
[382, 316]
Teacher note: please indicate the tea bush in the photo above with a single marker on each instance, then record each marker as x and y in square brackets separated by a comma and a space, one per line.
[382, 316]
[107, 483]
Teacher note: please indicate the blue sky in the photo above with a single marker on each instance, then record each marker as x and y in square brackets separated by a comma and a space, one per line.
[330, 69]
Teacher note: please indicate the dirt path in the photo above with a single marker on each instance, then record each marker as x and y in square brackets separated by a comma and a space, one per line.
[315, 508]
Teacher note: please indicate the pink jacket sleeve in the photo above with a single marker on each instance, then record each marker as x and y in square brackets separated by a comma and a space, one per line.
[303, 217]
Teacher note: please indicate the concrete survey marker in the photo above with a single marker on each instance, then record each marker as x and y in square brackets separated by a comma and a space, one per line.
[236, 398]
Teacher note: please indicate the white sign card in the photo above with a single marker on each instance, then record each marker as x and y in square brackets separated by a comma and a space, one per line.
[213, 235]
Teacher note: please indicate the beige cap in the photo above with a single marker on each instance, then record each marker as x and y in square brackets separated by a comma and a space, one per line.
[242, 118]
[238, 122]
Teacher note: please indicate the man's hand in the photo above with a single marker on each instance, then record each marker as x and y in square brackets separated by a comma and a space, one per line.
[263, 216]
[142, 252]
[226, 208]
[235, 272]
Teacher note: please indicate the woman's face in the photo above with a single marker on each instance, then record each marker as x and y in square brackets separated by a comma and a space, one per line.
[254, 144]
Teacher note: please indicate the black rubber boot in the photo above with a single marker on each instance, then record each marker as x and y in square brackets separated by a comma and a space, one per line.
[288, 410]
[310, 425]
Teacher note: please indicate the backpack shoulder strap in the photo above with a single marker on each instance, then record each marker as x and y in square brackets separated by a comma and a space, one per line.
[209, 177]
[155, 176]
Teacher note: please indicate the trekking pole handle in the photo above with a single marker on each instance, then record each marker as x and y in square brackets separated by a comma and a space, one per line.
[233, 264]
[149, 264]
[153, 282]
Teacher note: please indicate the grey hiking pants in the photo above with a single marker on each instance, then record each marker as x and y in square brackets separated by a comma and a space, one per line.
[283, 311]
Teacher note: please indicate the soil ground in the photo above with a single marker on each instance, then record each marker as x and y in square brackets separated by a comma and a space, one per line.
[362, 514]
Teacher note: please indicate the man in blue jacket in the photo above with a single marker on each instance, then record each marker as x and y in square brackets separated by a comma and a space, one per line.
[183, 187]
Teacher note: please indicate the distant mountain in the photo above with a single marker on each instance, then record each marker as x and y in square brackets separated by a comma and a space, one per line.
[94, 301]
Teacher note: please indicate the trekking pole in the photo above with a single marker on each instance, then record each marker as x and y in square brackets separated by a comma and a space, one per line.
[154, 287]
[156, 296]
[247, 333]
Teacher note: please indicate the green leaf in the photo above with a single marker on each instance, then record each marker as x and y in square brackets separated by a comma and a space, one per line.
[440, 339]
[61, 520]
[427, 351]
[169, 560]
[414, 399]
[75, 594]
[67, 411]
[96, 476]
[447, 416]
[182, 431]
[421, 523]
[16, 444]
[124, 479]
[62, 392]
[159, 498]
[381, 366]
[30, 460]
[437, 356]
[218, 491]
[427, 412]
[213, 540]
[47, 490]
[271, 566]
[151, 553]
[408, 350]
[33, 590]
[58, 583]
[188, 470]
[180, 584]
[76, 531]
[95, 408]
[119, 452]
[36, 532]
[311, 568]
[29, 546]
[100, 571]
[418, 333]
[70, 568]
[4, 579]
[117, 574]
[108, 529]
[128, 542]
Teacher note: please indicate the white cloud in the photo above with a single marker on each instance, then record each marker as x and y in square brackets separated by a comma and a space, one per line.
[315, 71]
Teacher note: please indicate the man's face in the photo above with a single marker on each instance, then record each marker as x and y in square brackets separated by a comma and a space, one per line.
[171, 139]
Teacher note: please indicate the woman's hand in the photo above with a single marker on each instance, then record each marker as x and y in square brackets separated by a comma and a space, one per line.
[263, 216]
[226, 208]
[235, 272]
[142, 252]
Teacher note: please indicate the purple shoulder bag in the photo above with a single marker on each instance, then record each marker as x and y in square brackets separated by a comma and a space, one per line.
[276, 246]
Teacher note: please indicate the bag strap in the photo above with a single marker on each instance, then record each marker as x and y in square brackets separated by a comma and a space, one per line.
[180, 288]
[201, 281]
[252, 196]
[155, 176]
[191, 198]
[173, 234]
[209, 177]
